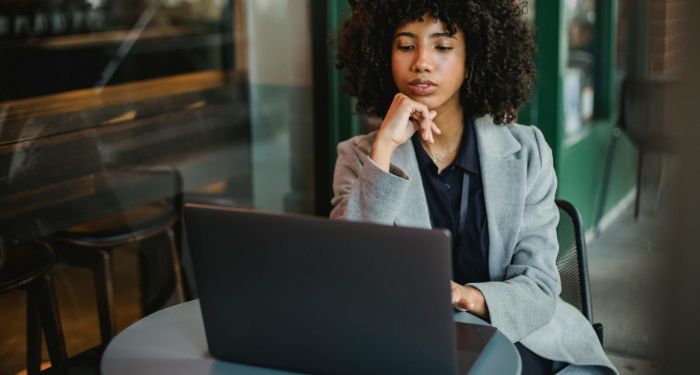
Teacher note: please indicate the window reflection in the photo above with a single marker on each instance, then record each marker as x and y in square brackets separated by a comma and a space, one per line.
[113, 110]
[578, 78]
[219, 90]
[530, 11]
[68, 45]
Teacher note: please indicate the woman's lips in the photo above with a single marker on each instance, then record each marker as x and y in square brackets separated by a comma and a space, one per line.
[422, 87]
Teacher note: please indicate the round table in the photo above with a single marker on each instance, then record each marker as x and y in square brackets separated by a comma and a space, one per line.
[172, 341]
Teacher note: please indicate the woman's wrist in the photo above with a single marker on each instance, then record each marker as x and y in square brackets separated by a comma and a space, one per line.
[480, 309]
[382, 150]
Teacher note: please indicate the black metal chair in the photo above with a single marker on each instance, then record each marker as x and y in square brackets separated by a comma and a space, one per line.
[26, 267]
[90, 245]
[572, 262]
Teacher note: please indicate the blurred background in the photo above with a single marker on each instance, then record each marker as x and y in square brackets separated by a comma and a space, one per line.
[114, 113]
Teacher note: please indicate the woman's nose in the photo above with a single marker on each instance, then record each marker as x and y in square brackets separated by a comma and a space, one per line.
[422, 62]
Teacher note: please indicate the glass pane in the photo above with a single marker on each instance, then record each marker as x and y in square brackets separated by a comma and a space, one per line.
[219, 91]
[281, 104]
[111, 111]
[530, 11]
[578, 77]
[624, 20]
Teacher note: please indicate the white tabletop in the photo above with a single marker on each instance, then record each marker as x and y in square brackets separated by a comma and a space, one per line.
[172, 341]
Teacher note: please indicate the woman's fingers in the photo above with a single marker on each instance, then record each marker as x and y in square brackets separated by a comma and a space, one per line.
[421, 118]
[456, 295]
[435, 128]
[425, 118]
[404, 118]
[461, 305]
[427, 130]
[459, 300]
[420, 126]
[423, 125]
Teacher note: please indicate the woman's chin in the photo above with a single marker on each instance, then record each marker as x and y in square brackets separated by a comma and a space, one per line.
[429, 100]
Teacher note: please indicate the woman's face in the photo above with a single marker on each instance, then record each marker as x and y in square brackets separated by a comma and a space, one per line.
[428, 64]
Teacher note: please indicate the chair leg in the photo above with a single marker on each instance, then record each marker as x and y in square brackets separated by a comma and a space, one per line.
[178, 250]
[662, 181]
[104, 291]
[44, 297]
[186, 267]
[177, 271]
[144, 284]
[99, 261]
[33, 336]
[151, 304]
[639, 182]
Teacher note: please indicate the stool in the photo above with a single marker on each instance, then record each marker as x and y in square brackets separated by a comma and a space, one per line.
[90, 245]
[26, 267]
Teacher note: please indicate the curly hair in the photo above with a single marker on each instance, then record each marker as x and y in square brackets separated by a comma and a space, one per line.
[500, 47]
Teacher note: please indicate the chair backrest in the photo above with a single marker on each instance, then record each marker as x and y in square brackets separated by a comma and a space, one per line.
[644, 114]
[572, 259]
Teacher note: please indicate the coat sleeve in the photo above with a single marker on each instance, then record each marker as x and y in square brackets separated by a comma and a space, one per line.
[525, 300]
[361, 190]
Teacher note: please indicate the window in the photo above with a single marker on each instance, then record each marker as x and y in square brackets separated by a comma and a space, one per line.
[112, 105]
[530, 12]
[579, 90]
[218, 90]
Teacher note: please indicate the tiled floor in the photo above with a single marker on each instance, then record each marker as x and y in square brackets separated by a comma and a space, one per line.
[633, 366]
[624, 267]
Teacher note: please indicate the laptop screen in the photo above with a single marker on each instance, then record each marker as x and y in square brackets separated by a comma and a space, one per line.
[316, 295]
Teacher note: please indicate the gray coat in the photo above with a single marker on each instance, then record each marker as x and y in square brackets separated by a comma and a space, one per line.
[519, 186]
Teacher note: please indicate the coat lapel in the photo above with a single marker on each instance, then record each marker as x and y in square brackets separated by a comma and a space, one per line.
[503, 178]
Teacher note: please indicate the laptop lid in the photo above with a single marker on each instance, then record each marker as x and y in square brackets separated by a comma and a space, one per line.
[322, 296]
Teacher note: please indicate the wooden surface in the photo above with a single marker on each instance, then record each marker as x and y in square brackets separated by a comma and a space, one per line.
[71, 157]
[58, 113]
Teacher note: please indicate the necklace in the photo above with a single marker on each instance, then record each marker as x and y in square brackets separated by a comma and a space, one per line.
[440, 157]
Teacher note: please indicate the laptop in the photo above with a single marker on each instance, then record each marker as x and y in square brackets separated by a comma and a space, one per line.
[314, 295]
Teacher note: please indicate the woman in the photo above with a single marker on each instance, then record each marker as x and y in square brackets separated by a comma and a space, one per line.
[448, 78]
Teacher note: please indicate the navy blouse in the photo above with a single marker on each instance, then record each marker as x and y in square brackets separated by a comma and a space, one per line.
[443, 193]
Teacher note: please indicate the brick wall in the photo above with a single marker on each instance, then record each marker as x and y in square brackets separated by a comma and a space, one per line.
[666, 35]
[667, 20]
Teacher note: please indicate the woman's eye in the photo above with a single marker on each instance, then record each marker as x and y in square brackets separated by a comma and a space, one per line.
[443, 48]
[405, 48]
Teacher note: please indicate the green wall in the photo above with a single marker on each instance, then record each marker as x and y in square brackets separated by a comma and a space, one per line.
[580, 172]
[580, 163]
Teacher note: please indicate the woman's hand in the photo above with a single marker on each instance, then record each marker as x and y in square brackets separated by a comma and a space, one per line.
[468, 298]
[405, 117]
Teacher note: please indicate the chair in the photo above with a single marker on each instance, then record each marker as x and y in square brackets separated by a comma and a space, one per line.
[26, 267]
[90, 245]
[643, 118]
[572, 262]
